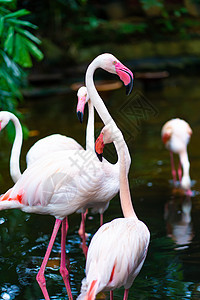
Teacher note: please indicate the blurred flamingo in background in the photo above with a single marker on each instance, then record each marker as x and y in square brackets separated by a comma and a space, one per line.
[118, 249]
[176, 135]
[62, 182]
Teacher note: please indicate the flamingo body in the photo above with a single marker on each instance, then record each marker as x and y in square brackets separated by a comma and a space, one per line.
[115, 256]
[51, 143]
[176, 135]
[60, 184]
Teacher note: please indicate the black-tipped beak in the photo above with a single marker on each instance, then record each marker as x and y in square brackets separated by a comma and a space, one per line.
[100, 156]
[129, 86]
[80, 116]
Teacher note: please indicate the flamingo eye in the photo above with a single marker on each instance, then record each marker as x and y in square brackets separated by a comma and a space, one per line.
[114, 62]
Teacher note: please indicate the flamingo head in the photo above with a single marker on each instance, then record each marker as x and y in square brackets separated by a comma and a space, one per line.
[166, 133]
[107, 136]
[99, 146]
[166, 137]
[83, 98]
[4, 119]
[111, 64]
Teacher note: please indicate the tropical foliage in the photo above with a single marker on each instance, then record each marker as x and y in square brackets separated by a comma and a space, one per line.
[17, 47]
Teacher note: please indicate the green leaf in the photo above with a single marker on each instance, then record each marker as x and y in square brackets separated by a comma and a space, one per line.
[28, 35]
[5, 1]
[177, 13]
[5, 93]
[9, 42]
[1, 25]
[4, 11]
[18, 13]
[34, 50]
[10, 83]
[23, 23]
[21, 54]
[12, 66]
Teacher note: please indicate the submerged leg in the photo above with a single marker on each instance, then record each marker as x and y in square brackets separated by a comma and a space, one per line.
[40, 276]
[189, 193]
[173, 168]
[63, 270]
[125, 294]
[179, 172]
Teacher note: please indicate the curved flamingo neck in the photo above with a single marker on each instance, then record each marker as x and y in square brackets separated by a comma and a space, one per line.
[90, 127]
[16, 150]
[185, 162]
[93, 94]
[121, 148]
[125, 196]
[102, 110]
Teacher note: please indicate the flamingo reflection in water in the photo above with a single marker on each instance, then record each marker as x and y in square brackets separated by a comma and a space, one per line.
[177, 215]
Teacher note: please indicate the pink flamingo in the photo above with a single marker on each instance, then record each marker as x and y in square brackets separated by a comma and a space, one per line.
[176, 135]
[118, 249]
[63, 182]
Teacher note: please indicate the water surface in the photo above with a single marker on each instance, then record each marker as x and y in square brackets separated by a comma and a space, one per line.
[172, 266]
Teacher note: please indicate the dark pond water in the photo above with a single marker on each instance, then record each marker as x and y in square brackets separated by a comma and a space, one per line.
[172, 267]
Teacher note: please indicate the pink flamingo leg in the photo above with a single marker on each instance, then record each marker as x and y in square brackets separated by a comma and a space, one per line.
[125, 294]
[63, 270]
[40, 276]
[173, 168]
[101, 220]
[179, 171]
[111, 295]
[83, 245]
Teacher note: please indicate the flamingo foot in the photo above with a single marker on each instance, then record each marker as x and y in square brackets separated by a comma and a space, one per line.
[189, 193]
